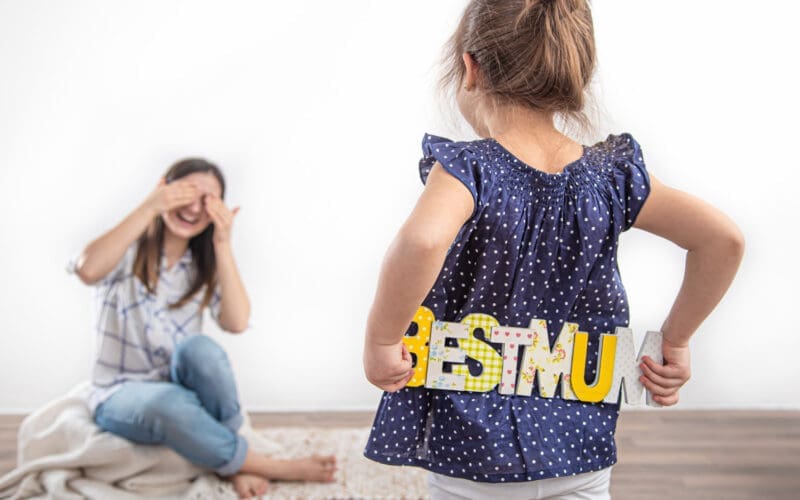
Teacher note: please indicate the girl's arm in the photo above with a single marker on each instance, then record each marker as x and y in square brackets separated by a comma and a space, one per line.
[715, 247]
[104, 253]
[234, 308]
[410, 267]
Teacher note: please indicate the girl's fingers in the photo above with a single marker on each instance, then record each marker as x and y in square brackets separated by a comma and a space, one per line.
[666, 400]
[667, 371]
[406, 356]
[405, 378]
[658, 379]
[654, 388]
[396, 381]
[408, 377]
[235, 210]
[397, 385]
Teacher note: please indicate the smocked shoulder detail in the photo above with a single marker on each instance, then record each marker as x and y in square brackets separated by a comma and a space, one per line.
[484, 165]
[590, 171]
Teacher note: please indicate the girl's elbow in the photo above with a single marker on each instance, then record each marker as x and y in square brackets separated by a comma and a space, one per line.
[740, 244]
[735, 241]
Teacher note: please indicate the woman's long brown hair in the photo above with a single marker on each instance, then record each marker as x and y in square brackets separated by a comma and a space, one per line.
[148, 256]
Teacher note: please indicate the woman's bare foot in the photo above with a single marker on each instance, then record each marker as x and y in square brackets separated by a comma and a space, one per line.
[249, 485]
[313, 468]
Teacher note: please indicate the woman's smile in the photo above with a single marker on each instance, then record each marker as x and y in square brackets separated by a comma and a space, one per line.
[189, 218]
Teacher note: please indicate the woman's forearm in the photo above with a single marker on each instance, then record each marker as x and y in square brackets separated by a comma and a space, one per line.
[234, 313]
[102, 254]
[409, 270]
[709, 272]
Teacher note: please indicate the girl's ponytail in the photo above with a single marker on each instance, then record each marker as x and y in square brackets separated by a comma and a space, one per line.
[535, 53]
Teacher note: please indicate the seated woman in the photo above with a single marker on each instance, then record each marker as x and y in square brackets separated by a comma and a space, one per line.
[157, 379]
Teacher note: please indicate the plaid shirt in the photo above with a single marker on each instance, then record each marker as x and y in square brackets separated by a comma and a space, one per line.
[136, 332]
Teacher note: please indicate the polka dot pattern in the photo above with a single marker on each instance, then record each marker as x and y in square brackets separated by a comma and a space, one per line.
[538, 245]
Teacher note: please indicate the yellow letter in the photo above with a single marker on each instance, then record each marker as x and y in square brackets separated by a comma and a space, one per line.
[605, 368]
[418, 345]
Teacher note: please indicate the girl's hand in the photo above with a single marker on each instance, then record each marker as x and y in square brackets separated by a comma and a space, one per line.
[176, 194]
[663, 381]
[221, 217]
[388, 366]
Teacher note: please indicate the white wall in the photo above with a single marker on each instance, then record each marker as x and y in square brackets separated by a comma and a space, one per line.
[315, 111]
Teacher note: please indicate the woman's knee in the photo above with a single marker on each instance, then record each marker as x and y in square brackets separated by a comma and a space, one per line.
[197, 348]
[199, 353]
[145, 410]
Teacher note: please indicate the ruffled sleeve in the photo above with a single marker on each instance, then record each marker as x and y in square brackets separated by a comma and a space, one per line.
[631, 180]
[458, 159]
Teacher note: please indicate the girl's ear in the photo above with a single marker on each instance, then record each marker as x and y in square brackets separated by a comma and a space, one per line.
[470, 71]
[162, 181]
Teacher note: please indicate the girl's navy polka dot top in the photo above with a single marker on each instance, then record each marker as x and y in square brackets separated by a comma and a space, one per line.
[538, 245]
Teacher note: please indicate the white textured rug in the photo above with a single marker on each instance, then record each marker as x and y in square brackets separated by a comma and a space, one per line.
[357, 476]
[63, 454]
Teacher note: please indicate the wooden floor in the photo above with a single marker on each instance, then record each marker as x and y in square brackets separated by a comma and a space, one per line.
[662, 454]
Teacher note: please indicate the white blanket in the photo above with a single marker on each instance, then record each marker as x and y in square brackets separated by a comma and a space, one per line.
[62, 453]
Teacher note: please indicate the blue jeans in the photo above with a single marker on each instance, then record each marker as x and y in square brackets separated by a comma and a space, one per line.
[196, 414]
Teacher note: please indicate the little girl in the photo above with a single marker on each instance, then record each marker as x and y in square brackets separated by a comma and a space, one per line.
[522, 224]
[157, 379]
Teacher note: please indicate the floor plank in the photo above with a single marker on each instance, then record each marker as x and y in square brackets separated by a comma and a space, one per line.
[687, 454]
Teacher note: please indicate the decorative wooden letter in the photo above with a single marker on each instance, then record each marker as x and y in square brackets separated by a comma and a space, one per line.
[440, 354]
[511, 338]
[418, 345]
[549, 364]
[605, 366]
[491, 362]
[626, 367]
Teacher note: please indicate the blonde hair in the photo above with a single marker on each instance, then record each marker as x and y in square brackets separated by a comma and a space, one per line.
[535, 53]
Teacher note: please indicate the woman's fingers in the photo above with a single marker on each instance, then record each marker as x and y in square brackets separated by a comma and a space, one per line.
[219, 216]
[217, 205]
[179, 193]
[212, 214]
